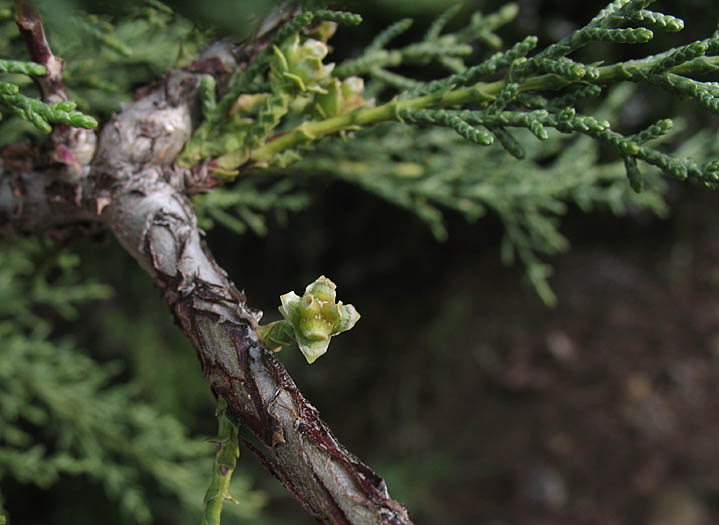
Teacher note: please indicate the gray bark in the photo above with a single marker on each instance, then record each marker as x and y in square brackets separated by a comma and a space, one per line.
[132, 188]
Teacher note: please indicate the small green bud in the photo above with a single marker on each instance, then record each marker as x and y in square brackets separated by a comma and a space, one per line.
[341, 97]
[567, 113]
[248, 104]
[300, 63]
[8, 89]
[315, 317]
[711, 171]
[323, 31]
[628, 147]
[65, 105]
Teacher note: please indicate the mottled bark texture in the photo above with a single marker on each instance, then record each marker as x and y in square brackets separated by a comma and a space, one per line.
[132, 188]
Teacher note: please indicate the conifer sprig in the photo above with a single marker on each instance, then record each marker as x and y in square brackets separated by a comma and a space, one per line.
[41, 114]
[262, 60]
[535, 77]
[529, 197]
[482, 103]
[245, 82]
[490, 66]
[21, 66]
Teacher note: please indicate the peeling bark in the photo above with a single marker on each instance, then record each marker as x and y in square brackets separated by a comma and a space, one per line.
[133, 189]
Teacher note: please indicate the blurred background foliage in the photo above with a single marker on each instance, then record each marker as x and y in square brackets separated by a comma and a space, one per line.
[479, 405]
[74, 423]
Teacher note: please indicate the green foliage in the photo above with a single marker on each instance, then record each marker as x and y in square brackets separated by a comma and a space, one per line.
[110, 54]
[24, 68]
[25, 285]
[444, 102]
[29, 108]
[42, 114]
[63, 413]
[414, 144]
[106, 56]
[244, 206]
[425, 171]
[33, 110]
[303, 87]
[295, 73]
[429, 170]
[447, 49]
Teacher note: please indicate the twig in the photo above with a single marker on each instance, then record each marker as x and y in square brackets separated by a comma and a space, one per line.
[228, 451]
[73, 147]
[32, 31]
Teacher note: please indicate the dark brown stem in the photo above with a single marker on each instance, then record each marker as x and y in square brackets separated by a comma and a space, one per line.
[33, 33]
[71, 147]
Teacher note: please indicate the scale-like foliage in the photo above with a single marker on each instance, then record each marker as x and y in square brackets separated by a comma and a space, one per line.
[467, 101]
[245, 207]
[529, 196]
[482, 103]
[106, 56]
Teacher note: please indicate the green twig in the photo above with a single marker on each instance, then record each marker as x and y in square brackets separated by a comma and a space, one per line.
[225, 461]
[42, 114]
[495, 102]
[22, 67]
[482, 93]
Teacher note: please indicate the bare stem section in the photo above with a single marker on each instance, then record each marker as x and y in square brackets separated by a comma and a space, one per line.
[31, 28]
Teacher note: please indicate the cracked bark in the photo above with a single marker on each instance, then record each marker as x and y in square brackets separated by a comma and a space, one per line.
[132, 188]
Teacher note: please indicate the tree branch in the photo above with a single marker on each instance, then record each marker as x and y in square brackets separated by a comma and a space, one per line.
[32, 31]
[71, 147]
[134, 190]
